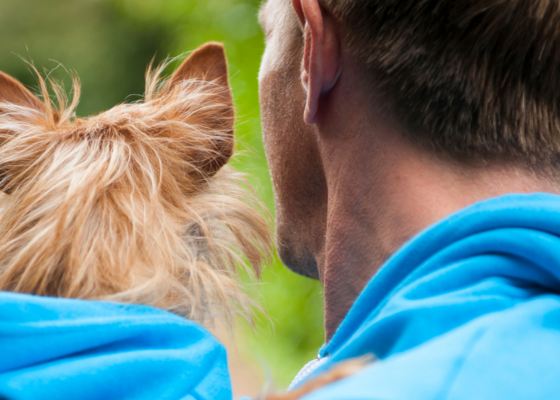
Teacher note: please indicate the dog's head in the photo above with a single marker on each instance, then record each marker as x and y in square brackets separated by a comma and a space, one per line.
[131, 205]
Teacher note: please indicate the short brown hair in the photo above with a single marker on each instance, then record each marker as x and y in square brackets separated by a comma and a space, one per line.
[476, 78]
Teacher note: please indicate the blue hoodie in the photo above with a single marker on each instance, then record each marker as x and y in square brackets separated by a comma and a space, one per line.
[72, 349]
[469, 309]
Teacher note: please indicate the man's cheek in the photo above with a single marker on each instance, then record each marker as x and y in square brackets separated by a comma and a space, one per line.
[272, 100]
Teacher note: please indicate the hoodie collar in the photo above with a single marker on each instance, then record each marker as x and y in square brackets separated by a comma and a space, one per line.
[501, 250]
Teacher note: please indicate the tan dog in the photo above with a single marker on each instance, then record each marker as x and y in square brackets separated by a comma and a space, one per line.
[132, 205]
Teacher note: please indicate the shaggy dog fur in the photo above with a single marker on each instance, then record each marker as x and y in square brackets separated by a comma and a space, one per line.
[133, 205]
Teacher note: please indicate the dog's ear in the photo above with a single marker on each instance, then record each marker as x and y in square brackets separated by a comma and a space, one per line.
[12, 91]
[208, 63]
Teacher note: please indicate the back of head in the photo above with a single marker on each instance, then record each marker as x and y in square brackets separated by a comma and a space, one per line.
[133, 205]
[474, 79]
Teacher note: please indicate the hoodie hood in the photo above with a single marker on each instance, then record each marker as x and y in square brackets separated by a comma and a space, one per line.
[467, 309]
[508, 243]
[53, 348]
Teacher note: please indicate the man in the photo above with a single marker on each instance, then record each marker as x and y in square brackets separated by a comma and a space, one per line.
[382, 118]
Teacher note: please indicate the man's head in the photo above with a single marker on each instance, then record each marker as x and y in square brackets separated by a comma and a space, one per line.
[473, 82]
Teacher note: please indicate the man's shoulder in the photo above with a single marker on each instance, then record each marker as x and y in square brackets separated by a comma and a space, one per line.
[506, 355]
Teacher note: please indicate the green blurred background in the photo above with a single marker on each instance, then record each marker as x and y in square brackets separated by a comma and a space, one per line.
[109, 43]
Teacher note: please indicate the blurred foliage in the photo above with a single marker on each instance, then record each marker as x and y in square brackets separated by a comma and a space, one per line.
[109, 44]
[108, 52]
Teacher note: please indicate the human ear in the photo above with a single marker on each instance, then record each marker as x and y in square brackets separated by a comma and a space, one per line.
[296, 4]
[208, 63]
[321, 56]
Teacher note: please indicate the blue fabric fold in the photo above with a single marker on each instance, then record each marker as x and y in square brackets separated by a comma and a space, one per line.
[54, 348]
[468, 309]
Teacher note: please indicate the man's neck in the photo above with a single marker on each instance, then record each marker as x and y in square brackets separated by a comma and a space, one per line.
[383, 190]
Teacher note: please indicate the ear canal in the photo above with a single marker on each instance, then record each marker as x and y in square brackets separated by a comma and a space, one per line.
[208, 63]
[12, 91]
